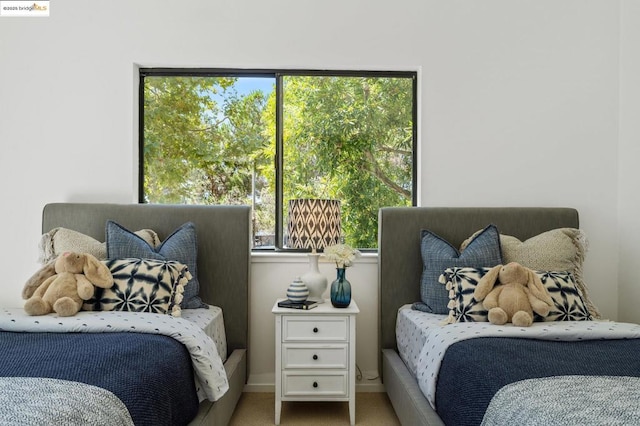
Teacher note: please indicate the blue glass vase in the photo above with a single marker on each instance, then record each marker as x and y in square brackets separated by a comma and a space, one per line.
[341, 290]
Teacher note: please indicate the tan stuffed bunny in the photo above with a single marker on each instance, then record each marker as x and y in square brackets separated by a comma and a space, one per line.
[512, 293]
[62, 285]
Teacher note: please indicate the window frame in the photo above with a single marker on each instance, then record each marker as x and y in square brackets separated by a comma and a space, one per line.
[277, 75]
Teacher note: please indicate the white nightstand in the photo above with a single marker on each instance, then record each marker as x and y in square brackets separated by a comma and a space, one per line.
[316, 355]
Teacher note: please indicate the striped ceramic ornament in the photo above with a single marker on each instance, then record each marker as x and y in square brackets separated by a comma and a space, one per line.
[297, 291]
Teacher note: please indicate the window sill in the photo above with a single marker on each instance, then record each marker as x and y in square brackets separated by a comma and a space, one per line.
[283, 257]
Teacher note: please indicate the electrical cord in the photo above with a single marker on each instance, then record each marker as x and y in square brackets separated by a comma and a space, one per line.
[360, 376]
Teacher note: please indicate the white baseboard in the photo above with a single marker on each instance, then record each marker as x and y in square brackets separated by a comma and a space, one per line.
[259, 388]
[371, 386]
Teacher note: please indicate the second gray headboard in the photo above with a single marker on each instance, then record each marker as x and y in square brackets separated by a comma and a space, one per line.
[400, 262]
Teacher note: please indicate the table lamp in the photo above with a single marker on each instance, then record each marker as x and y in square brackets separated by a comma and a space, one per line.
[313, 225]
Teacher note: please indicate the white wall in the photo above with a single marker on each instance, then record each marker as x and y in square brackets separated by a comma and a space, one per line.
[629, 154]
[522, 102]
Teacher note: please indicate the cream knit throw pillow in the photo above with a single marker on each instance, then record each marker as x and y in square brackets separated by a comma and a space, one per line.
[59, 240]
[561, 249]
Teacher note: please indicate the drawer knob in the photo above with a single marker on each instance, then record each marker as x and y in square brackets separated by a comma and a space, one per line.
[315, 384]
[315, 357]
[315, 329]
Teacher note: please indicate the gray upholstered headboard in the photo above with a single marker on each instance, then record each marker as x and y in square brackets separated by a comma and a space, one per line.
[400, 263]
[223, 234]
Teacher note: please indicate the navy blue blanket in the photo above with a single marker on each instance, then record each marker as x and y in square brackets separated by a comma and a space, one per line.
[473, 370]
[151, 374]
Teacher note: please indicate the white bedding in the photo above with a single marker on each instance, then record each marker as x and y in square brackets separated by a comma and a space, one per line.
[212, 322]
[423, 341]
[210, 376]
[412, 329]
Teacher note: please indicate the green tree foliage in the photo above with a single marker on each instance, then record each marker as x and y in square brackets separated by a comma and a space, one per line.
[354, 137]
[346, 138]
[202, 141]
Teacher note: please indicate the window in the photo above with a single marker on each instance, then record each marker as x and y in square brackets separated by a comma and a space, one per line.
[265, 137]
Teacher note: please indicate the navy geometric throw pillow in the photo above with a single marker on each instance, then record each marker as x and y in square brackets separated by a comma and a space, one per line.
[142, 285]
[461, 282]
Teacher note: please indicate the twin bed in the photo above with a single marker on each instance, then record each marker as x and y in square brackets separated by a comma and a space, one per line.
[192, 369]
[130, 367]
[436, 371]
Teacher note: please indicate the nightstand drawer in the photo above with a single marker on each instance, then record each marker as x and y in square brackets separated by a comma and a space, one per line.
[314, 356]
[315, 328]
[330, 384]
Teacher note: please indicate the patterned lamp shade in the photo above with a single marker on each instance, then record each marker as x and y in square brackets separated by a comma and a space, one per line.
[313, 224]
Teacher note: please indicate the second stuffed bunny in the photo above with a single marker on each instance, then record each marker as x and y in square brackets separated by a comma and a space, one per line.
[512, 293]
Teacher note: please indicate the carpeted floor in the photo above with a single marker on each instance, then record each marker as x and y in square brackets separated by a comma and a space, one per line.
[258, 409]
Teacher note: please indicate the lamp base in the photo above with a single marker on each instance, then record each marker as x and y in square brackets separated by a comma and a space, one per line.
[314, 280]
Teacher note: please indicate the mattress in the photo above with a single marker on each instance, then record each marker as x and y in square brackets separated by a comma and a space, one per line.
[412, 329]
[212, 322]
